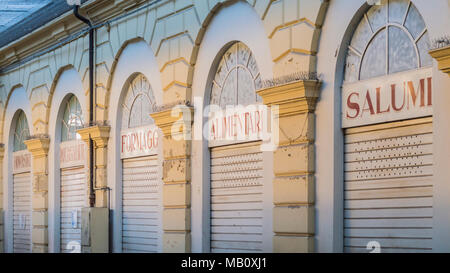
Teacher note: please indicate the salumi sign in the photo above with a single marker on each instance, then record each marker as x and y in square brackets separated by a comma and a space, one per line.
[72, 153]
[393, 97]
[21, 161]
[140, 141]
[237, 124]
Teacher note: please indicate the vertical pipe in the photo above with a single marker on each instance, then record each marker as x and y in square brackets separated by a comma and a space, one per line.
[91, 102]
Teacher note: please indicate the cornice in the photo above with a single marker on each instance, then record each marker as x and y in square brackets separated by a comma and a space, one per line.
[181, 116]
[38, 147]
[442, 56]
[292, 98]
[99, 134]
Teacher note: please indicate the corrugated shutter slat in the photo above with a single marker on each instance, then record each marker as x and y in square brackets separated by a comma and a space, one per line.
[141, 199]
[236, 199]
[388, 189]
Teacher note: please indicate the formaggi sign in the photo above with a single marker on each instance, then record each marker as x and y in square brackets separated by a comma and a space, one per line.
[394, 97]
[139, 141]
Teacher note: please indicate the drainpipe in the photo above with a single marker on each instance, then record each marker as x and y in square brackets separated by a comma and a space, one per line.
[91, 102]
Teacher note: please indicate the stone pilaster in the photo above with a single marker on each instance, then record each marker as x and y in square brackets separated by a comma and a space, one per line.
[293, 185]
[38, 147]
[442, 56]
[176, 127]
[99, 135]
[2, 230]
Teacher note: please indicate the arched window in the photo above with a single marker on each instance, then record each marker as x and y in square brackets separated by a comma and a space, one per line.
[21, 133]
[390, 38]
[236, 79]
[139, 102]
[72, 120]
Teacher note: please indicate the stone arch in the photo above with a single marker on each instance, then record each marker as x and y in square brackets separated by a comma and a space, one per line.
[136, 66]
[8, 102]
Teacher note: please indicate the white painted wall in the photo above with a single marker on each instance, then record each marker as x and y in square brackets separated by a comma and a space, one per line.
[340, 22]
[17, 101]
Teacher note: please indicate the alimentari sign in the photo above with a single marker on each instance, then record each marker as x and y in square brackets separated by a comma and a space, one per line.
[237, 124]
[394, 97]
[140, 141]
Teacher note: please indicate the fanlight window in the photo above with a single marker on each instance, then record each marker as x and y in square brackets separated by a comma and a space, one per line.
[139, 103]
[21, 133]
[390, 38]
[236, 79]
[72, 120]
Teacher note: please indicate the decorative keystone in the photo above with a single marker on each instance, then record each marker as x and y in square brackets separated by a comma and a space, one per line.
[38, 147]
[176, 118]
[442, 56]
[292, 98]
[98, 133]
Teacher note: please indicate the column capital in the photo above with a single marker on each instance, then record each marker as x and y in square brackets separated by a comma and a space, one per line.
[98, 133]
[38, 147]
[442, 56]
[180, 115]
[292, 98]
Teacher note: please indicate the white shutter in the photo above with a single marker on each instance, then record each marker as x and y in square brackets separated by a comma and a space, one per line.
[388, 186]
[22, 213]
[73, 198]
[237, 198]
[141, 207]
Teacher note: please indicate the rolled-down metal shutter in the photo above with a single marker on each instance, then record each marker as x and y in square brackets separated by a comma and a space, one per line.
[237, 198]
[388, 187]
[73, 198]
[141, 209]
[22, 213]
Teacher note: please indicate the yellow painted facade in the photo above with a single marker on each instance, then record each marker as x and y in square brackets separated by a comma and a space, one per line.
[174, 31]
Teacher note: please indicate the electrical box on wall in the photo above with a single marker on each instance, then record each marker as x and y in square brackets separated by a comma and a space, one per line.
[94, 230]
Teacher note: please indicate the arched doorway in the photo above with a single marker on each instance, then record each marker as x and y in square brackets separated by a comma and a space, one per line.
[22, 190]
[73, 187]
[236, 159]
[141, 175]
[387, 122]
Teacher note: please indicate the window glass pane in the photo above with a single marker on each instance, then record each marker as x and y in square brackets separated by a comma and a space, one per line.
[237, 78]
[414, 22]
[377, 16]
[136, 112]
[351, 67]
[374, 60]
[72, 120]
[402, 53]
[139, 103]
[147, 108]
[361, 36]
[246, 89]
[424, 45]
[21, 133]
[397, 10]
[404, 47]
[228, 95]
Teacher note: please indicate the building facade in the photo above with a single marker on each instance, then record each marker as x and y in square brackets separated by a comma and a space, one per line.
[227, 126]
